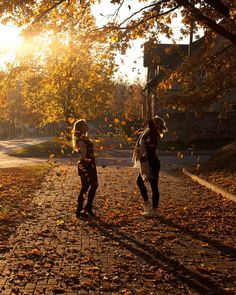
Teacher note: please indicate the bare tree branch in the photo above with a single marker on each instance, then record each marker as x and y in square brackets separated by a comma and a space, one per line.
[210, 23]
[219, 7]
[148, 18]
[118, 9]
[142, 9]
[222, 51]
[130, 27]
[39, 17]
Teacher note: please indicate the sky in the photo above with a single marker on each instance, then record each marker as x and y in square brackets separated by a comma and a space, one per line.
[132, 67]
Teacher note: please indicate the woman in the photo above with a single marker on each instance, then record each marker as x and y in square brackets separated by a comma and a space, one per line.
[86, 168]
[145, 158]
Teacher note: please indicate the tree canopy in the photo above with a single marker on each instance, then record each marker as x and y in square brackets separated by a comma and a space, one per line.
[62, 72]
[150, 21]
[153, 17]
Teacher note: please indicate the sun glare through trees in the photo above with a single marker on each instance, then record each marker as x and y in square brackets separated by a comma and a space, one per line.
[72, 56]
[9, 42]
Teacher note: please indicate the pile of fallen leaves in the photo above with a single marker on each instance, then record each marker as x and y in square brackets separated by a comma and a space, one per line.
[17, 187]
[220, 169]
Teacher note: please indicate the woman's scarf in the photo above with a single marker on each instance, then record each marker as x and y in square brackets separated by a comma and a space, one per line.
[140, 156]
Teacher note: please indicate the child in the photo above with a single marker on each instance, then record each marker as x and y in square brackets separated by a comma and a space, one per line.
[86, 167]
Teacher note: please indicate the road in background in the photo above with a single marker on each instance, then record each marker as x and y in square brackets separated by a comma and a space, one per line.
[8, 146]
[169, 160]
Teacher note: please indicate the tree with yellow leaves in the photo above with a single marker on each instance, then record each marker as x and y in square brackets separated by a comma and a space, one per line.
[154, 19]
[64, 73]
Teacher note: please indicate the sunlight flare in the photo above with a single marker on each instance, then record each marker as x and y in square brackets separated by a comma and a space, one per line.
[9, 39]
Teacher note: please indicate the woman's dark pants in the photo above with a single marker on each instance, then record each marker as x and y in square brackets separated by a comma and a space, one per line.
[89, 184]
[155, 191]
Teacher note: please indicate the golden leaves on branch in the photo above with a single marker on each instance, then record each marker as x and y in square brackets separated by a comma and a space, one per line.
[114, 39]
[233, 13]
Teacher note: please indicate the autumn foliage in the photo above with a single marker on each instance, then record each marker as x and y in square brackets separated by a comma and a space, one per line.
[65, 67]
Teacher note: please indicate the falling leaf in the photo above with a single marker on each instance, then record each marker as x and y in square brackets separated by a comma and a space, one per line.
[180, 155]
[116, 121]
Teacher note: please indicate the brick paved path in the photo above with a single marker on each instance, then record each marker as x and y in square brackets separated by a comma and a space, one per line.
[189, 249]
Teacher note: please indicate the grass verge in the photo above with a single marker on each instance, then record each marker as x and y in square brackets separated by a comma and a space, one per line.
[193, 145]
[61, 148]
[220, 169]
[47, 149]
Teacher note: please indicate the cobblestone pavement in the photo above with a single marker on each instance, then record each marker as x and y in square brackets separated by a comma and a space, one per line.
[187, 249]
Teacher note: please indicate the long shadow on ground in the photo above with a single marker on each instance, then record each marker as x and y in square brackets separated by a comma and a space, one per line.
[151, 255]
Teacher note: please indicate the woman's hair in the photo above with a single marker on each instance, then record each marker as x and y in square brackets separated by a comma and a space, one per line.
[77, 131]
[160, 125]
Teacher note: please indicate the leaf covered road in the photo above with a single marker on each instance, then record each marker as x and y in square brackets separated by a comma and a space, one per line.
[188, 249]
